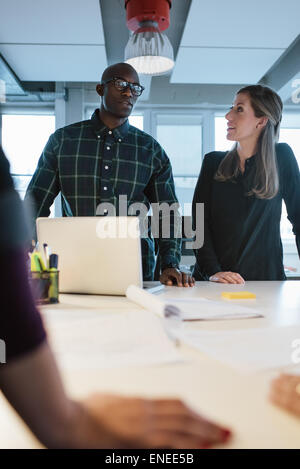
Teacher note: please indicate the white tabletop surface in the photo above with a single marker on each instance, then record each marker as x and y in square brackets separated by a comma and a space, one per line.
[235, 399]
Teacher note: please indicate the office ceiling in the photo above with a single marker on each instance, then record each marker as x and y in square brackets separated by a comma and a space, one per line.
[230, 43]
[218, 46]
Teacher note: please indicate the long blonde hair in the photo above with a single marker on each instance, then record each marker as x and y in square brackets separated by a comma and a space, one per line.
[265, 103]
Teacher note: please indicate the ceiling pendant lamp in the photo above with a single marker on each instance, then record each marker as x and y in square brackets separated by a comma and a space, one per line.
[148, 50]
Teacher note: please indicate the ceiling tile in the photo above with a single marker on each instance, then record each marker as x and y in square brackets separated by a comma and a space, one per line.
[51, 22]
[55, 63]
[232, 23]
[227, 66]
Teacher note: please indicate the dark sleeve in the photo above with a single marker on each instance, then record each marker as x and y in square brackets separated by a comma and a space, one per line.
[290, 183]
[207, 262]
[44, 185]
[13, 226]
[6, 182]
[161, 190]
[21, 328]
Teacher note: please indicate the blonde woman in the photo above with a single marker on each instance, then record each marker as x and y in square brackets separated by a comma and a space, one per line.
[243, 191]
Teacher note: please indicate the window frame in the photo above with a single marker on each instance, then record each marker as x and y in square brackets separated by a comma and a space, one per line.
[38, 109]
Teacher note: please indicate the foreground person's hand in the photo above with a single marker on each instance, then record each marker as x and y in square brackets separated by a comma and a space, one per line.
[285, 392]
[171, 276]
[124, 422]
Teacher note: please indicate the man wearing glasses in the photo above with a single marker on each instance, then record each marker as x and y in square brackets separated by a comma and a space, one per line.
[98, 160]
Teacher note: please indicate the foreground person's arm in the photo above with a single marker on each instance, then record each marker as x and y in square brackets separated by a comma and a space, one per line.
[33, 386]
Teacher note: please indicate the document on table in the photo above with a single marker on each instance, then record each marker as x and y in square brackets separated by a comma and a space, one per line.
[247, 350]
[92, 339]
[189, 309]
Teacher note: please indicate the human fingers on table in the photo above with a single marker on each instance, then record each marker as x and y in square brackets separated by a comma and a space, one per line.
[285, 382]
[174, 416]
[223, 277]
[285, 392]
[171, 275]
[238, 277]
[187, 279]
[125, 422]
[233, 277]
[172, 440]
[198, 425]
[192, 281]
[217, 277]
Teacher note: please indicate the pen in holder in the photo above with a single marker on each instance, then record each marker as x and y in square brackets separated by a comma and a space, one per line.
[44, 276]
[45, 286]
[53, 289]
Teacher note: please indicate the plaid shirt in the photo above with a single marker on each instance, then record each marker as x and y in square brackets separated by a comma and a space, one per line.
[90, 164]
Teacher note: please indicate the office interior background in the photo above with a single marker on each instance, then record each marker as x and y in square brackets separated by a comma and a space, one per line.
[53, 55]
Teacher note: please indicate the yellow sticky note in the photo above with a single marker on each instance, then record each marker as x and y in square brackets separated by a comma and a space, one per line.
[238, 295]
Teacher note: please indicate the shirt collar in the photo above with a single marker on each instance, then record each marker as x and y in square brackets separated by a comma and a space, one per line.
[249, 162]
[101, 130]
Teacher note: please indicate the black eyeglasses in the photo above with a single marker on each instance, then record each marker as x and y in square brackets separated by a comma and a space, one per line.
[122, 85]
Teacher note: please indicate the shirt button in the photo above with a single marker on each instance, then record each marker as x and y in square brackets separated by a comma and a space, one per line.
[107, 148]
[98, 136]
[110, 132]
[106, 167]
[105, 188]
[119, 140]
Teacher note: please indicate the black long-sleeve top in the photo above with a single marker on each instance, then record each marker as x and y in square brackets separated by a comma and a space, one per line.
[21, 328]
[242, 233]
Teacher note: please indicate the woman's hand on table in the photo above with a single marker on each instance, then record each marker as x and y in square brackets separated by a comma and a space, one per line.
[285, 392]
[227, 277]
[126, 422]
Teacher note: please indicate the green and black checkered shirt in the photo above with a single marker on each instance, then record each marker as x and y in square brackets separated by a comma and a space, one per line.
[90, 164]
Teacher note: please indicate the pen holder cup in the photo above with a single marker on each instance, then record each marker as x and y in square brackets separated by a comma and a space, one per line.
[45, 286]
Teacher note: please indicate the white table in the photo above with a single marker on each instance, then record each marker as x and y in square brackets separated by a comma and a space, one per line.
[237, 400]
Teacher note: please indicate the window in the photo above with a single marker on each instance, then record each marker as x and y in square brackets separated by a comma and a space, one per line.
[221, 142]
[292, 138]
[23, 139]
[181, 137]
[135, 119]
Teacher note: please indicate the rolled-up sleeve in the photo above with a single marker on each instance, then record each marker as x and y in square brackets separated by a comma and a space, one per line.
[44, 185]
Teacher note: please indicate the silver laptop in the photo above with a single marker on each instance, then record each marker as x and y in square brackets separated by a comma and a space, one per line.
[97, 255]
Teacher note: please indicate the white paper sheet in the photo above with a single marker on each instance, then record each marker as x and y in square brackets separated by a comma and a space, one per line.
[95, 340]
[189, 309]
[247, 350]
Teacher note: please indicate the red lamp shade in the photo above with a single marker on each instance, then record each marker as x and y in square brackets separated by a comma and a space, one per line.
[148, 50]
[138, 11]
